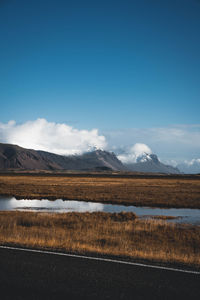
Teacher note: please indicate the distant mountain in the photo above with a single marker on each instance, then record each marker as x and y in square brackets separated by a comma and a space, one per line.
[15, 157]
[95, 160]
[150, 163]
[191, 167]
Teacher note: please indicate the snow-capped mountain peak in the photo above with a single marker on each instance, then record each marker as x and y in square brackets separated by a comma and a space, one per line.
[147, 162]
[145, 157]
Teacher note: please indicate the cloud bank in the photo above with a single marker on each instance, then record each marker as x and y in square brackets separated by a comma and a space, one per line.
[53, 137]
[178, 142]
[132, 153]
[192, 166]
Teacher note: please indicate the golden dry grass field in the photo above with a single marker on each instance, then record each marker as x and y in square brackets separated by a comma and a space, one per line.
[121, 235]
[156, 191]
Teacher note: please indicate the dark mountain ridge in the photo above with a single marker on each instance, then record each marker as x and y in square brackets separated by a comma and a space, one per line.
[15, 157]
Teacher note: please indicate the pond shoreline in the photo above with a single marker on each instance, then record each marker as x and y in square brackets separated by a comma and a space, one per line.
[152, 192]
[178, 215]
[112, 202]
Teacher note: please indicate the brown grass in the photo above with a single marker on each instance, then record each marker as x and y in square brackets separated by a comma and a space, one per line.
[164, 217]
[110, 234]
[157, 192]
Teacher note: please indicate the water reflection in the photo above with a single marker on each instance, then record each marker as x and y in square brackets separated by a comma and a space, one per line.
[46, 205]
[10, 203]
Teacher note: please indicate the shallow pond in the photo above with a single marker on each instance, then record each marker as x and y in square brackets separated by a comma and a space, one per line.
[191, 216]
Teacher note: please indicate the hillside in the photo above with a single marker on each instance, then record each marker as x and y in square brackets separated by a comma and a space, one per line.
[15, 157]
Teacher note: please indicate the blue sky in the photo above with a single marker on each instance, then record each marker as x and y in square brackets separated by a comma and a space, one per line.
[111, 65]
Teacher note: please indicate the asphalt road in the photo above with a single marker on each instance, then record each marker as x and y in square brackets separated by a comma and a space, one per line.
[27, 275]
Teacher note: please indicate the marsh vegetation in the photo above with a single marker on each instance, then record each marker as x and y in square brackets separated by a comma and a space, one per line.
[102, 233]
[161, 191]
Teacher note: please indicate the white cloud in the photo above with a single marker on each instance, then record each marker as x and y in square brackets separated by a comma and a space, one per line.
[192, 162]
[170, 162]
[178, 142]
[190, 166]
[132, 153]
[53, 137]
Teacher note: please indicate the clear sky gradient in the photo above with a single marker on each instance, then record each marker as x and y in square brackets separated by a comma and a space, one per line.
[100, 64]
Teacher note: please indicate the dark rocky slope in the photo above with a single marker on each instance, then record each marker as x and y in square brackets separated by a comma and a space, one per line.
[15, 157]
